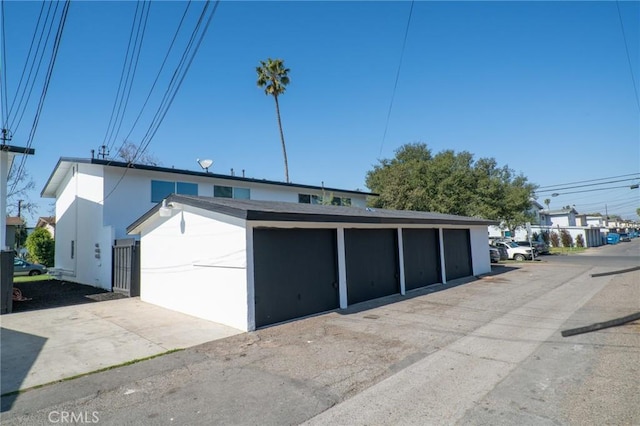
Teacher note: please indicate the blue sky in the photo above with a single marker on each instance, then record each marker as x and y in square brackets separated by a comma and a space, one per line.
[543, 87]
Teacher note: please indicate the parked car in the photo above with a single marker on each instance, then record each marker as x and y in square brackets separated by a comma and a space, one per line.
[504, 254]
[514, 251]
[540, 246]
[624, 237]
[22, 267]
[494, 254]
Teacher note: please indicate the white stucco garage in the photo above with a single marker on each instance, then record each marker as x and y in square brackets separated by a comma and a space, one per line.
[248, 264]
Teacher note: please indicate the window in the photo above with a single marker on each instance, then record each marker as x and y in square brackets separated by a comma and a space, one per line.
[160, 189]
[242, 193]
[186, 188]
[231, 192]
[222, 191]
[318, 199]
[304, 198]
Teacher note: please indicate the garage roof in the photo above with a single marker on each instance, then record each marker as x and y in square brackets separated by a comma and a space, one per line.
[254, 210]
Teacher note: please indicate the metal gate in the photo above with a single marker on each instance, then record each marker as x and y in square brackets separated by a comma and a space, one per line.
[125, 276]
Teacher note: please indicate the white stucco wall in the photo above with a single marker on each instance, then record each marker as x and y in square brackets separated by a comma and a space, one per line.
[96, 204]
[93, 246]
[79, 220]
[133, 190]
[195, 262]
[66, 214]
[479, 250]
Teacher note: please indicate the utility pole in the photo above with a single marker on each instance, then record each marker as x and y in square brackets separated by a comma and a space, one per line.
[19, 233]
[103, 152]
[5, 136]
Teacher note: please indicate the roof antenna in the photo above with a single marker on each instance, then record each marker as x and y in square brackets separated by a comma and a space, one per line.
[205, 164]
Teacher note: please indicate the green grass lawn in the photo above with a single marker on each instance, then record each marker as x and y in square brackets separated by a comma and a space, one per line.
[27, 279]
[566, 250]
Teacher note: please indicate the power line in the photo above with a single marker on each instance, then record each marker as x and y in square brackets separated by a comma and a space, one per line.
[593, 190]
[140, 35]
[175, 36]
[3, 72]
[20, 115]
[127, 76]
[180, 69]
[626, 49]
[174, 85]
[590, 180]
[395, 85]
[54, 55]
[586, 185]
[26, 62]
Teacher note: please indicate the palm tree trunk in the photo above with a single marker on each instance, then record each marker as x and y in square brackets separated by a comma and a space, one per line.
[284, 149]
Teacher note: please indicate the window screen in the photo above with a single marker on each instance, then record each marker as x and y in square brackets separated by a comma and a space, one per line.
[242, 193]
[187, 188]
[161, 189]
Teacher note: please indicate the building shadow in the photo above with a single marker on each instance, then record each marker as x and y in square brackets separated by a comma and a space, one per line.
[18, 353]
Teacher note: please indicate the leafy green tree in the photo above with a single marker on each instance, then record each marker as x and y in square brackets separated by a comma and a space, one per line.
[451, 183]
[638, 211]
[579, 241]
[554, 239]
[547, 201]
[274, 77]
[41, 247]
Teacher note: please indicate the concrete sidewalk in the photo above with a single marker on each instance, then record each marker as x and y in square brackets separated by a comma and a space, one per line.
[43, 346]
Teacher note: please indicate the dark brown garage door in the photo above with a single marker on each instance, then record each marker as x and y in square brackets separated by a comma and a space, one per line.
[421, 250]
[372, 263]
[457, 253]
[295, 273]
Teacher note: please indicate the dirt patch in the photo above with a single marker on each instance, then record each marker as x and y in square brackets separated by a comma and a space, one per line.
[55, 293]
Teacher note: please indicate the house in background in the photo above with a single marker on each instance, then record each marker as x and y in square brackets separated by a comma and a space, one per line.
[48, 223]
[95, 201]
[14, 223]
[594, 221]
[555, 218]
[249, 264]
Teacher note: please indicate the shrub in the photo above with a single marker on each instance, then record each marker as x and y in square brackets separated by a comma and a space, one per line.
[566, 238]
[41, 247]
[545, 236]
[579, 241]
[554, 239]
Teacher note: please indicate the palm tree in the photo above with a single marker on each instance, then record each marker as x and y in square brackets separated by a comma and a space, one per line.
[273, 76]
[547, 201]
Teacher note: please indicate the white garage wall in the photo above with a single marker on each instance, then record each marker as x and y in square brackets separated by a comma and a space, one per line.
[479, 250]
[195, 263]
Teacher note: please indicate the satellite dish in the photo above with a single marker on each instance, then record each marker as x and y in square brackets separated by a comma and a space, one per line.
[205, 164]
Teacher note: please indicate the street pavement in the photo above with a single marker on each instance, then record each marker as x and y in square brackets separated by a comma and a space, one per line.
[481, 351]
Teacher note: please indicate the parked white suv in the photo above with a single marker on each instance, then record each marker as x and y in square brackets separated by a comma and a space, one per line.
[515, 251]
